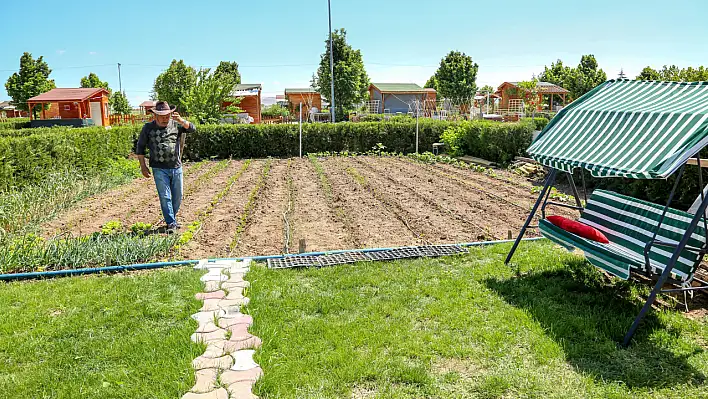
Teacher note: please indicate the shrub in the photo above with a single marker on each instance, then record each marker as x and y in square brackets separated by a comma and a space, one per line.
[493, 141]
[28, 159]
[254, 141]
[15, 123]
[539, 123]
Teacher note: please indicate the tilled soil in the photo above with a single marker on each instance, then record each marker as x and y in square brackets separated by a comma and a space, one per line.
[314, 217]
[265, 234]
[115, 204]
[217, 231]
[364, 202]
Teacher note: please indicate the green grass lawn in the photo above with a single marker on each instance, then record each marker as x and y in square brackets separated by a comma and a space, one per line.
[468, 327]
[119, 336]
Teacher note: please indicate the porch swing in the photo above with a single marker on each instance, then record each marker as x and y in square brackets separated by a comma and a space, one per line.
[639, 130]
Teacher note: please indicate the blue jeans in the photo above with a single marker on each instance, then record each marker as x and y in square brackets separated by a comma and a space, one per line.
[169, 189]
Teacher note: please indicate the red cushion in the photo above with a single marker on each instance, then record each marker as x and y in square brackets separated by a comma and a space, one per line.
[577, 228]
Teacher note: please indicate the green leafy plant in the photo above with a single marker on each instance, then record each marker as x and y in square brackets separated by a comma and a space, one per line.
[112, 227]
[140, 228]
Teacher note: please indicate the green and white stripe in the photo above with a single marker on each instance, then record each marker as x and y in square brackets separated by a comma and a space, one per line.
[627, 128]
[629, 224]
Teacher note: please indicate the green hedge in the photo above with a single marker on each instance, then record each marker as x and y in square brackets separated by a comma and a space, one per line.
[245, 141]
[15, 123]
[28, 159]
[493, 141]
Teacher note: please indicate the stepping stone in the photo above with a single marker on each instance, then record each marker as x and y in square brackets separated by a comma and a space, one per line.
[206, 380]
[230, 377]
[207, 327]
[241, 390]
[217, 335]
[214, 275]
[220, 393]
[250, 343]
[212, 286]
[235, 294]
[239, 332]
[231, 303]
[215, 349]
[205, 317]
[221, 363]
[243, 360]
[236, 319]
[229, 313]
[210, 295]
[236, 278]
[231, 286]
[211, 305]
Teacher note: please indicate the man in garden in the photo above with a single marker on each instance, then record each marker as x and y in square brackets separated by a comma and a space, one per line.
[164, 137]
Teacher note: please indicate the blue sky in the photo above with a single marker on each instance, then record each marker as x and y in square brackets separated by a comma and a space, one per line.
[278, 42]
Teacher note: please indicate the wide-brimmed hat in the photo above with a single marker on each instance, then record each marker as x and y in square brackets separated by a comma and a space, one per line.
[163, 108]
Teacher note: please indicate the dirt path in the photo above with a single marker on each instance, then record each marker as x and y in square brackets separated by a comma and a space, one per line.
[89, 215]
[213, 240]
[264, 235]
[374, 224]
[314, 217]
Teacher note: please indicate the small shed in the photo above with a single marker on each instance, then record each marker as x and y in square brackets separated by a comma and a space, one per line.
[250, 95]
[510, 91]
[71, 107]
[309, 98]
[146, 106]
[398, 97]
[8, 110]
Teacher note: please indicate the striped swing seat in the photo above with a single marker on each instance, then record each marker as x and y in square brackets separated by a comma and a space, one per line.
[629, 225]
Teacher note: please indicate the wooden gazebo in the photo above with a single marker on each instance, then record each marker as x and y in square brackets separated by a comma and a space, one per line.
[71, 107]
[510, 91]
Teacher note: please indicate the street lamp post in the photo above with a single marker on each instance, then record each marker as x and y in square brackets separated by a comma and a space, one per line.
[331, 60]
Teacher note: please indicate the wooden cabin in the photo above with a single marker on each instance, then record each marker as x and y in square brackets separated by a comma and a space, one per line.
[398, 97]
[71, 107]
[309, 98]
[8, 110]
[509, 91]
[250, 95]
[146, 106]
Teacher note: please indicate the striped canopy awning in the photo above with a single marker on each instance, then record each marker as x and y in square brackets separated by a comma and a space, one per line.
[628, 128]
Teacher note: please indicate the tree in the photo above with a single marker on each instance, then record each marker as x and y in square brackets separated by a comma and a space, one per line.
[674, 74]
[174, 84]
[92, 81]
[229, 68]
[558, 74]
[529, 92]
[432, 83]
[31, 80]
[456, 78]
[351, 82]
[648, 74]
[487, 89]
[119, 103]
[206, 97]
[586, 76]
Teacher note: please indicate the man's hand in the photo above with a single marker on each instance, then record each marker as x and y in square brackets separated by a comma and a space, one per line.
[145, 171]
[176, 116]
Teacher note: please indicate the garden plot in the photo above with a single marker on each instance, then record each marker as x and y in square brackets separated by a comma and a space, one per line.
[267, 206]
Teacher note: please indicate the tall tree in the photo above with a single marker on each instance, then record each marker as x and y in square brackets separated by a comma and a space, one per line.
[31, 80]
[432, 83]
[558, 74]
[587, 75]
[229, 68]
[174, 84]
[92, 81]
[648, 73]
[456, 77]
[206, 97]
[119, 103]
[487, 89]
[351, 82]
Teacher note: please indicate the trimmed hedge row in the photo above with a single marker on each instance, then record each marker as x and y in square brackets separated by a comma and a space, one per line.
[245, 141]
[28, 159]
[15, 123]
[493, 141]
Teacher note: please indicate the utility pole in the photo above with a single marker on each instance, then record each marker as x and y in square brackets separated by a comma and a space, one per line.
[331, 59]
[120, 84]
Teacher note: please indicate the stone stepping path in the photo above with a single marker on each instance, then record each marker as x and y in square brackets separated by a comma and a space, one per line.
[226, 369]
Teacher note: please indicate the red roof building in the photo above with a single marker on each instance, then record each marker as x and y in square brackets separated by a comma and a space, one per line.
[76, 104]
